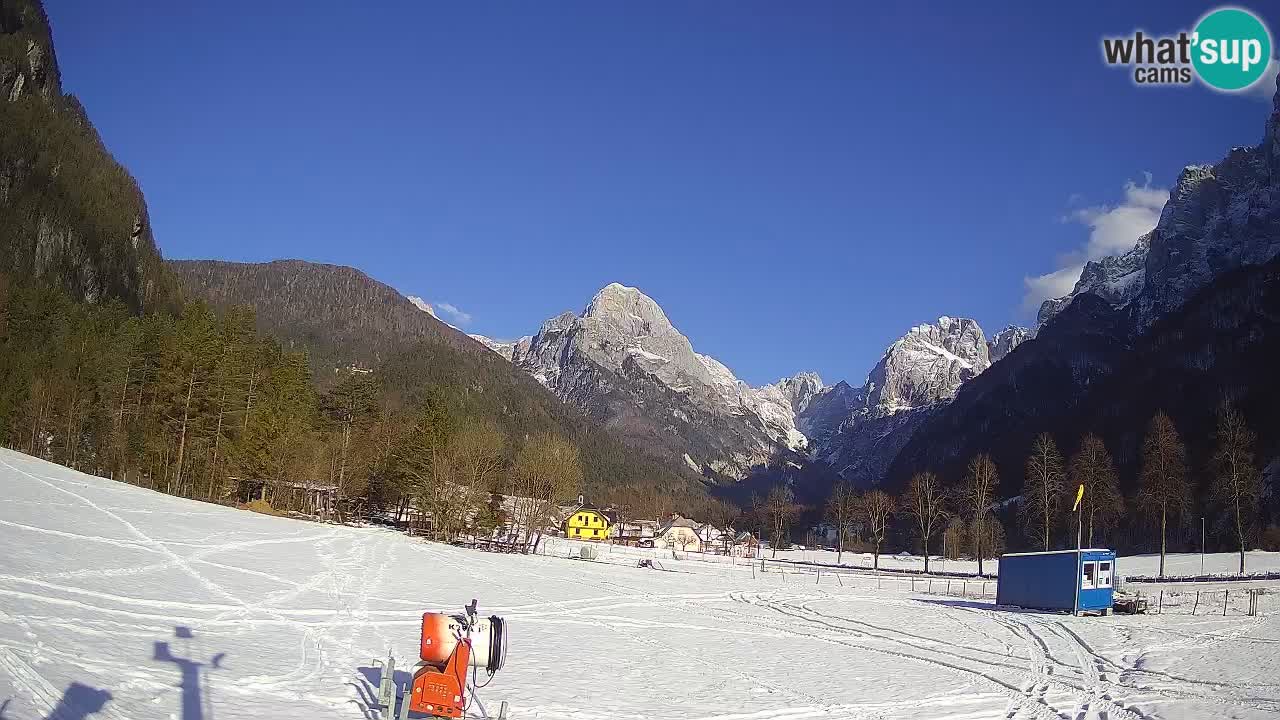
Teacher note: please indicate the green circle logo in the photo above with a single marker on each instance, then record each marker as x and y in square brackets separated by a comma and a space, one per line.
[1231, 48]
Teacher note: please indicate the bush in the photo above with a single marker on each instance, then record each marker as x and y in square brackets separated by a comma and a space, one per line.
[261, 506]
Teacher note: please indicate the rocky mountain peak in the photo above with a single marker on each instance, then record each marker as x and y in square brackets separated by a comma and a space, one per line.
[1004, 342]
[28, 64]
[800, 389]
[1118, 279]
[928, 364]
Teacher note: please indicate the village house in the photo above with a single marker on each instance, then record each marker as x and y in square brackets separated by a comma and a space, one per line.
[679, 533]
[633, 532]
[585, 522]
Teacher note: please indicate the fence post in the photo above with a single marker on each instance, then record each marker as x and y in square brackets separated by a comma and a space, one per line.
[1225, 595]
[1160, 607]
[1193, 607]
[930, 590]
[819, 580]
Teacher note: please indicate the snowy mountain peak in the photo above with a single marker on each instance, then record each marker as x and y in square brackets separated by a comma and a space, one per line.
[623, 359]
[1004, 342]
[422, 305]
[1118, 279]
[511, 350]
[927, 364]
[800, 389]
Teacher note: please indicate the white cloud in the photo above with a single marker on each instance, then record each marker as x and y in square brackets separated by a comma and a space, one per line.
[1050, 285]
[458, 316]
[1265, 87]
[1113, 229]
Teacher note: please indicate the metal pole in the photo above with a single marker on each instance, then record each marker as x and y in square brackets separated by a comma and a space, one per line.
[1079, 525]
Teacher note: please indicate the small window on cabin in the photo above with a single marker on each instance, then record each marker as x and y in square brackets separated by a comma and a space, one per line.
[1089, 576]
[1104, 574]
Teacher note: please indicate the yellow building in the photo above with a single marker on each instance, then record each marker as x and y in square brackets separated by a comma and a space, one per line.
[586, 524]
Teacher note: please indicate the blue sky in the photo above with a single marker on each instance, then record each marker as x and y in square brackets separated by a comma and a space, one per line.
[795, 183]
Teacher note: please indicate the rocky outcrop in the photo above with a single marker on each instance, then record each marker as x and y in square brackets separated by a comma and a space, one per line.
[28, 65]
[95, 240]
[1006, 341]
[1117, 279]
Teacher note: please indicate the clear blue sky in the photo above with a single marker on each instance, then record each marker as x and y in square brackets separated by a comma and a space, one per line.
[795, 183]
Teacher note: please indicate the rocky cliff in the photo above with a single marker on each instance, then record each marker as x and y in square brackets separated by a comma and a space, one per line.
[70, 215]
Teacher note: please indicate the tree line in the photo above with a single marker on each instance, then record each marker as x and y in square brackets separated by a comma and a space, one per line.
[193, 403]
[965, 516]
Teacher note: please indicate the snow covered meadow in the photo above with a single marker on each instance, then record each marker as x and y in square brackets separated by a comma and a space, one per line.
[120, 603]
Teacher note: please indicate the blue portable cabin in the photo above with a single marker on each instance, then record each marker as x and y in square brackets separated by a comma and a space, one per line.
[1048, 580]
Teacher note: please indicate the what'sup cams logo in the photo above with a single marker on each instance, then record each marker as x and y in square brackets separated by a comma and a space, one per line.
[1229, 50]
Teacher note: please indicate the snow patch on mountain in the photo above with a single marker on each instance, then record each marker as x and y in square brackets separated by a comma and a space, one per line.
[508, 349]
[422, 305]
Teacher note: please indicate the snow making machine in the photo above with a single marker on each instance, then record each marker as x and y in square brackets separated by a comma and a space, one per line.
[452, 647]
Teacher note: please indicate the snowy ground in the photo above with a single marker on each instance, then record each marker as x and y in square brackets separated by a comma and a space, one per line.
[274, 618]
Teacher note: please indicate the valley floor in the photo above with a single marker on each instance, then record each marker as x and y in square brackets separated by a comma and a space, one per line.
[120, 603]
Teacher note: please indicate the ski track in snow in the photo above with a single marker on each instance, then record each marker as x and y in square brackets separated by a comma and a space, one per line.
[96, 572]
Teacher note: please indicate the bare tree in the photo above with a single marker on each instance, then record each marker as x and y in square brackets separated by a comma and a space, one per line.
[842, 508]
[476, 452]
[1164, 491]
[980, 483]
[926, 501]
[1042, 491]
[877, 507]
[547, 471]
[1102, 505]
[1238, 484]
[780, 507]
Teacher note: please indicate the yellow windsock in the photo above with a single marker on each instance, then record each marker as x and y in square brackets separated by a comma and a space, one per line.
[1079, 494]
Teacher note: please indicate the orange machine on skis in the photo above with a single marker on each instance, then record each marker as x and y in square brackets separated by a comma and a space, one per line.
[450, 648]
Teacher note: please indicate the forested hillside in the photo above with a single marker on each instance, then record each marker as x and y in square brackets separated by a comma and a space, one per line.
[342, 318]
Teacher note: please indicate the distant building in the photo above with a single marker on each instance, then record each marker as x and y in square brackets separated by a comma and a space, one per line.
[633, 532]
[586, 523]
[679, 533]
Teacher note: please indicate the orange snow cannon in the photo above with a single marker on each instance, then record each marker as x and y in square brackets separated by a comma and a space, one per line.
[450, 647]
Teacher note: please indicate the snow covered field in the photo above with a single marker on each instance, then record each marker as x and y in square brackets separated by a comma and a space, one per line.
[121, 603]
